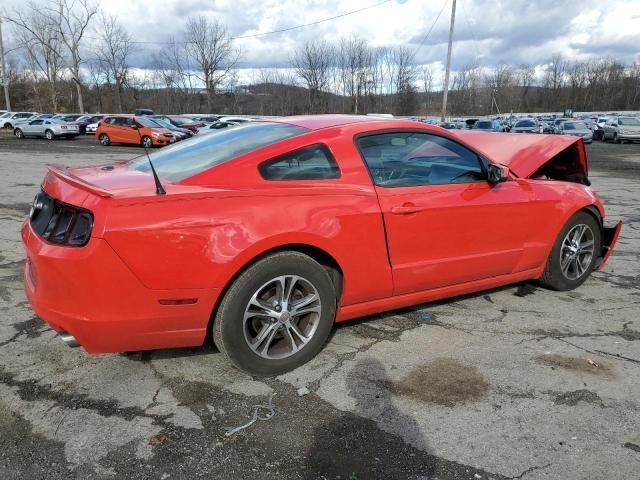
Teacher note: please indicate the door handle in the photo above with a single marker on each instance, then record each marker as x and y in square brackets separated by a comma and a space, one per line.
[406, 209]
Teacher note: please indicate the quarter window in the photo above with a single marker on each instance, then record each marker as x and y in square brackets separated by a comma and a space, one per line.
[310, 163]
[405, 159]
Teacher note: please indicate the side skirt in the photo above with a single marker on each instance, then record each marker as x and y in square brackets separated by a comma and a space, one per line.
[349, 312]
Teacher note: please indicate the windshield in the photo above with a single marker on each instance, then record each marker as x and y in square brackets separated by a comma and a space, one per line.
[483, 124]
[193, 156]
[629, 121]
[179, 121]
[525, 123]
[147, 122]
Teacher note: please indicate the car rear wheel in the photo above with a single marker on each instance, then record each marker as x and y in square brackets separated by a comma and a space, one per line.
[276, 315]
[615, 138]
[8, 125]
[48, 134]
[104, 139]
[574, 253]
[18, 133]
[146, 142]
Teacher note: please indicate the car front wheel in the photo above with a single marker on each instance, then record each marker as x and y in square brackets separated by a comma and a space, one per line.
[574, 253]
[104, 140]
[276, 315]
[18, 133]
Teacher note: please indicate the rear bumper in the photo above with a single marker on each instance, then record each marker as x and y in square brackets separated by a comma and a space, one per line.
[91, 294]
[609, 239]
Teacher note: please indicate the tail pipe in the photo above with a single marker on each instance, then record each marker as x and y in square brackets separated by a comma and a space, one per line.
[69, 340]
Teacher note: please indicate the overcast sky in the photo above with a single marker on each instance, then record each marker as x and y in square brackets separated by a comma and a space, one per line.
[487, 32]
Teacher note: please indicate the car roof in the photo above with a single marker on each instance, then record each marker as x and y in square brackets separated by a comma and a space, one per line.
[316, 122]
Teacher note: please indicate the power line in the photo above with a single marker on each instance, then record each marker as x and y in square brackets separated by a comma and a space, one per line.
[424, 39]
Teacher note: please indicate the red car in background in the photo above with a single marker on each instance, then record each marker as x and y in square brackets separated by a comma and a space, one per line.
[128, 129]
[265, 234]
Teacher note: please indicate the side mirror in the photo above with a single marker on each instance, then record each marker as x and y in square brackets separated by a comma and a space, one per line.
[497, 173]
[135, 127]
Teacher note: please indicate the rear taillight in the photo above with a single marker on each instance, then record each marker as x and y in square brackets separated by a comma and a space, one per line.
[59, 222]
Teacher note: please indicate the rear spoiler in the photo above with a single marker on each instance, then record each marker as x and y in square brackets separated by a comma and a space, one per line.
[62, 173]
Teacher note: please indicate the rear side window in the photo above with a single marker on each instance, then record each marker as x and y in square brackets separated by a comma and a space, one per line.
[405, 159]
[204, 151]
[310, 163]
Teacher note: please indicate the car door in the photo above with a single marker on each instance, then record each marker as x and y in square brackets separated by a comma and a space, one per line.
[31, 128]
[129, 134]
[445, 223]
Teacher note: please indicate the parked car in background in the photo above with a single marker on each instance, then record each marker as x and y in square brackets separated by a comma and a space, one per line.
[181, 122]
[447, 125]
[598, 127]
[9, 119]
[223, 124]
[577, 129]
[85, 120]
[146, 271]
[143, 111]
[48, 128]
[67, 117]
[132, 130]
[487, 125]
[526, 125]
[622, 129]
[556, 124]
[180, 133]
[91, 128]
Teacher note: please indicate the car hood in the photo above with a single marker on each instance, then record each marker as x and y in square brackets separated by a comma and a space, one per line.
[526, 154]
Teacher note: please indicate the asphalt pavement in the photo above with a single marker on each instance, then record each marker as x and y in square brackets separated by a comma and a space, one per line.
[515, 382]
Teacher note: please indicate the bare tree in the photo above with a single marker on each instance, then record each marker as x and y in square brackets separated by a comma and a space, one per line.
[72, 19]
[312, 63]
[210, 46]
[113, 54]
[42, 43]
[427, 85]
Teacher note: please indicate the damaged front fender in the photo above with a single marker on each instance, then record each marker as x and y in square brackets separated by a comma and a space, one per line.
[609, 239]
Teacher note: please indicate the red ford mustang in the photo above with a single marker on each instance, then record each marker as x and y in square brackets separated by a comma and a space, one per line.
[265, 234]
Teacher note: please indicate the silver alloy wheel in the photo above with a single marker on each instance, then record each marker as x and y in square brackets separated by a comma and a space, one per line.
[19, 133]
[281, 317]
[146, 141]
[48, 135]
[104, 139]
[577, 251]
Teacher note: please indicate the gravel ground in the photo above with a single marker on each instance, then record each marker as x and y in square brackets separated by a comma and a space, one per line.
[517, 382]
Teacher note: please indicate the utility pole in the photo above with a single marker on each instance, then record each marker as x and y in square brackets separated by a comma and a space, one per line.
[446, 73]
[5, 77]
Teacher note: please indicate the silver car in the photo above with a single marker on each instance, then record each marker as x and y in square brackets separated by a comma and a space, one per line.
[47, 128]
[576, 129]
[620, 129]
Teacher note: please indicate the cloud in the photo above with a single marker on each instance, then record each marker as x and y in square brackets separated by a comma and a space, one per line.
[487, 32]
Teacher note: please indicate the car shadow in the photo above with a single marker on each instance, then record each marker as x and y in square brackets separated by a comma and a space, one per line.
[351, 446]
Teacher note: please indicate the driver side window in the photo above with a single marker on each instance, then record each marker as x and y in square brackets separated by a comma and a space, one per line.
[405, 159]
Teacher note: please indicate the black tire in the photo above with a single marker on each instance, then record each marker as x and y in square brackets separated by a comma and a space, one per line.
[553, 276]
[8, 125]
[18, 133]
[48, 134]
[146, 141]
[229, 325]
[615, 138]
[104, 140]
